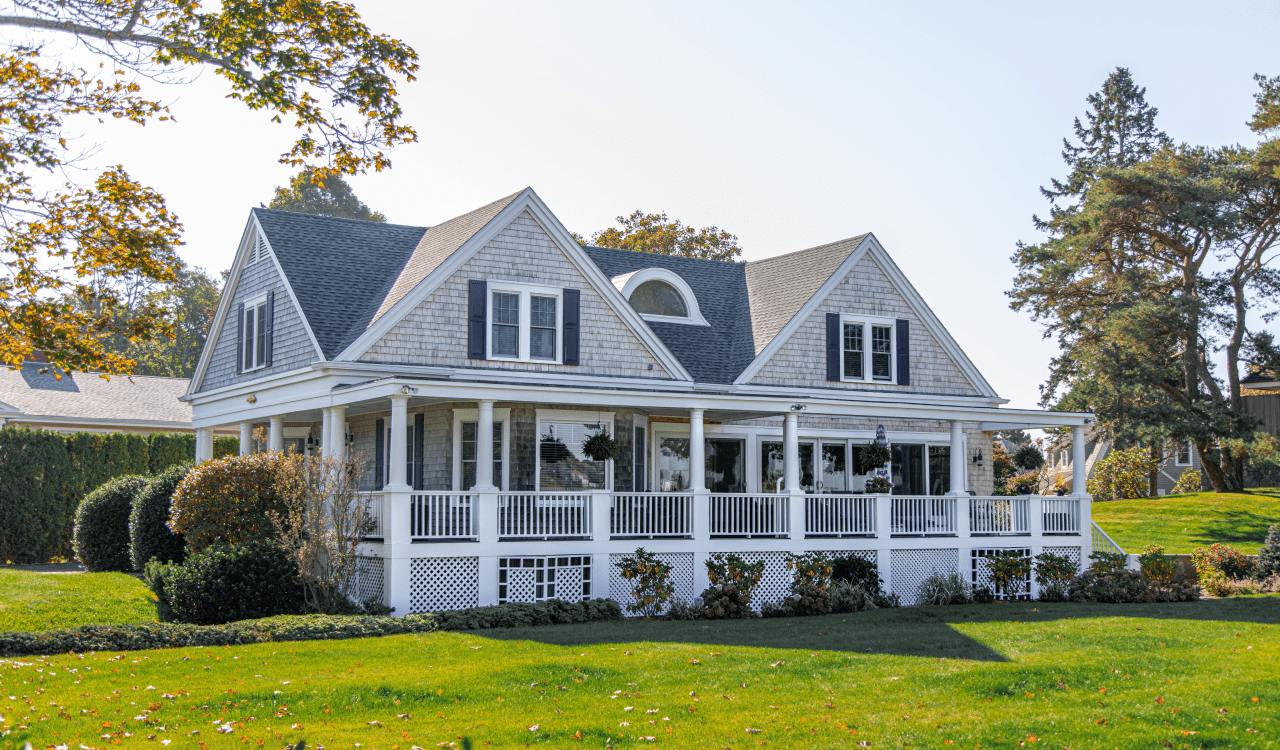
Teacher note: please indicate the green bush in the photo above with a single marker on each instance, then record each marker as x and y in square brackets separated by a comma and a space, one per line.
[227, 501]
[1156, 565]
[149, 532]
[1269, 555]
[1221, 560]
[941, 589]
[983, 595]
[1123, 475]
[810, 584]
[1189, 481]
[38, 496]
[1010, 573]
[286, 628]
[732, 581]
[650, 580]
[1125, 587]
[101, 537]
[227, 583]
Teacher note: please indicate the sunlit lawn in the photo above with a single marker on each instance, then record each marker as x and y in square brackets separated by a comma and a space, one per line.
[1194, 675]
[1183, 522]
[50, 601]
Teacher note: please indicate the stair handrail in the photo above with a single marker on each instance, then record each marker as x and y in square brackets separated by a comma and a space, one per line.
[1102, 541]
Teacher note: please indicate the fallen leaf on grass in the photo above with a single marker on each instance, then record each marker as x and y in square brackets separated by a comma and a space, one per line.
[752, 731]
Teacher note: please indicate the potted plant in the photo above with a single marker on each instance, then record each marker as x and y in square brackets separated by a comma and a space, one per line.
[602, 447]
[874, 456]
[879, 486]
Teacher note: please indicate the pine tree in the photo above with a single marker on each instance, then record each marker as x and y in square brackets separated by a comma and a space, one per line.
[322, 196]
[1269, 554]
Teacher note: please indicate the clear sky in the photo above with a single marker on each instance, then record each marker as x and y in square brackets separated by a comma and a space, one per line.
[789, 124]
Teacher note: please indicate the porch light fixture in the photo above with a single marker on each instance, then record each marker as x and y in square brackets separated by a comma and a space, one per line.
[252, 399]
[977, 457]
[798, 407]
[407, 389]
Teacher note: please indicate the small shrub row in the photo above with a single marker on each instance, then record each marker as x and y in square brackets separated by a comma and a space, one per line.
[124, 523]
[300, 628]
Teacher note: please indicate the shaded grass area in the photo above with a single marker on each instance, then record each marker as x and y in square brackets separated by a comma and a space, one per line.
[52, 601]
[1183, 522]
[1198, 674]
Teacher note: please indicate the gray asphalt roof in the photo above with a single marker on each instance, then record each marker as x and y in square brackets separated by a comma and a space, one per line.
[779, 286]
[87, 395]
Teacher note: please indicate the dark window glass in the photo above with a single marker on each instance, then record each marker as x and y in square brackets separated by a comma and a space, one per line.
[881, 348]
[262, 335]
[725, 466]
[469, 431]
[640, 450]
[542, 327]
[908, 470]
[506, 325]
[834, 468]
[659, 298]
[853, 351]
[939, 469]
[561, 463]
[772, 466]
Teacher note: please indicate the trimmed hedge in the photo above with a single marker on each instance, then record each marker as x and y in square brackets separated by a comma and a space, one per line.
[102, 525]
[149, 532]
[229, 583]
[300, 628]
[44, 475]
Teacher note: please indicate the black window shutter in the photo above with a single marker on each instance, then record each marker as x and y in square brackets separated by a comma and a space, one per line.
[271, 324]
[379, 453]
[477, 304]
[240, 340]
[904, 352]
[419, 422]
[833, 346]
[572, 336]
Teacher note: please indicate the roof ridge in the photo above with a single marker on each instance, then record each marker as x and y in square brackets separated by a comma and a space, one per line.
[858, 237]
[342, 218]
[664, 255]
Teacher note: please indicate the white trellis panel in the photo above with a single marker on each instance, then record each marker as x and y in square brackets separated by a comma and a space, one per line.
[370, 576]
[980, 572]
[910, 567]
[537, 579]
[1071, 553]
[681, 576]
[775, 584]
[440, 583]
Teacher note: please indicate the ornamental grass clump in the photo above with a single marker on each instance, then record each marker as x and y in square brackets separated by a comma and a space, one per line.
[732, 582]
[227, 501]
[941, 589]
[650, 580]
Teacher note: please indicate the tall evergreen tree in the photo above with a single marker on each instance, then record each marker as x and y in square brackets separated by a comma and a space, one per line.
[311, 192]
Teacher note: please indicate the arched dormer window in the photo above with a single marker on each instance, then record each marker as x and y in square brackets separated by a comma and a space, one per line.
[661, 296]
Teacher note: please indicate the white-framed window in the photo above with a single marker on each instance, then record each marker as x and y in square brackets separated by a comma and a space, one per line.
[561, 463]
[868, 349]
[1183, 457]
[526, 322]
[661, 296]
[253, 334]
[464, 447]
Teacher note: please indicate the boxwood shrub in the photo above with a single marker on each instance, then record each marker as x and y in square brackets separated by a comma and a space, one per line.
[101, 537]
[227, 501]
[232, 582]
[149, 532]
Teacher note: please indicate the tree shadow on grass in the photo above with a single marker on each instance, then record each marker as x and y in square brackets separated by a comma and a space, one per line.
[1240, 527]
[907, 631]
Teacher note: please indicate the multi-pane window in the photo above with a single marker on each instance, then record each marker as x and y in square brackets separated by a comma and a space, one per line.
[1184, 454]
[506, 325]
[469, 432]
[853, 351]
[253, 349]
[881, 352]
[542, 327]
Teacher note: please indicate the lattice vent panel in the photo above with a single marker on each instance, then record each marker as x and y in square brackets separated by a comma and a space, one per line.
[440, 583]
[370, 577]
[775, 584]
[910, 568]
[1071, 553]
[681, 577]
[980, 573]
[537, 579]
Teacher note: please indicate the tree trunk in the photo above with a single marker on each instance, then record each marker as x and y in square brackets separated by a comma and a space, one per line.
[1153, 478]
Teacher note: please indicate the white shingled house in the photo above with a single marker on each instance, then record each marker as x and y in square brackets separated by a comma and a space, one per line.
[470, 360]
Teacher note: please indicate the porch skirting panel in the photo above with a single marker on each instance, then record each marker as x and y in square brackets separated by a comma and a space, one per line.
[681, 577]
[370, 578]
[980, 572]
[440, 583]
[912, 566]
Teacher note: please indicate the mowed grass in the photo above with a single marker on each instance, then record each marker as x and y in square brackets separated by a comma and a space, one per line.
[51, 601]
[1194, 675]
[1180, 523]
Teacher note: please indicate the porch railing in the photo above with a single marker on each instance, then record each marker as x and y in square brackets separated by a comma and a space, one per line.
[373, 509]
[840, 515]
[749, 515]
[544, 515]
[999, 516]
[442, 515]
[651, 515]
[1102, 542]
[1061, 515]
[923, 516]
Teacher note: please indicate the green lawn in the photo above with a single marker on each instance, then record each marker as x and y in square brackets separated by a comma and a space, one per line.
[1184, 675]
[50, 601]
[1183, 522]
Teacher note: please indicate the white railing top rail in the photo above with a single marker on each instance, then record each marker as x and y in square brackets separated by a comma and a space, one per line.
[1102, 541]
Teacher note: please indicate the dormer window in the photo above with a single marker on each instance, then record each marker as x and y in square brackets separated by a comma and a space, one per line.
[660, 296]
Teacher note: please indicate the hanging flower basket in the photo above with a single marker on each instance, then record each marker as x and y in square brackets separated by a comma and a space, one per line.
[874, 456]
[602, 447]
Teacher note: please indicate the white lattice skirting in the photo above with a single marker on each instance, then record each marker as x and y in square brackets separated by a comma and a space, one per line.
[440, 583]
[370, 575]
[980, 572]
[910, 567]
[537, 579]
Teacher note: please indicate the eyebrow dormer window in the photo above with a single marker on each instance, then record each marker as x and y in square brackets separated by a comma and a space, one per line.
[660, 296]
[656, 297]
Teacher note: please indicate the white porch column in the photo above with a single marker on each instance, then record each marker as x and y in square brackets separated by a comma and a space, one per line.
[485, 504]
[697, 452]
[701, 498]
[326, 427]
[397, 536]
[246, 438]
[791, 452]
[484, 447]
[1079, 480]
[276, 441]
[204, 444]
[958, 458]
[338, 437]
[397, 452]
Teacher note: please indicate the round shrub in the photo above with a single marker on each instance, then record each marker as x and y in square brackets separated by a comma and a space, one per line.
[149, 532]
[227, 501]
[228, 583]
[101, 537]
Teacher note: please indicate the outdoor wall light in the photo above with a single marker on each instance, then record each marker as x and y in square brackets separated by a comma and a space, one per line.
[252, 399]
[977, 457]
[798, 407]
[407, 389]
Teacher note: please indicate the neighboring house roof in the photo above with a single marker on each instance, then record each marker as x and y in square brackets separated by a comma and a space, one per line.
[35, 396]
[1262, 381]
[778, 287]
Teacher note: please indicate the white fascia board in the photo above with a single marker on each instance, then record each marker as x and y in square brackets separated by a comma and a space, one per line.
[466, 374]
[527, 200]
[224, 305]
[100, 421]
[869, 395]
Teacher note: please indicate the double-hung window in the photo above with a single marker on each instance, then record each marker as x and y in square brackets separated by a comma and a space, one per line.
[526, 322]
[253, 335]
[868, 349]
[1184, 454]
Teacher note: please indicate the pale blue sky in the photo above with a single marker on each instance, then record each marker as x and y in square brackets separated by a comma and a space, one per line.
[791, 125]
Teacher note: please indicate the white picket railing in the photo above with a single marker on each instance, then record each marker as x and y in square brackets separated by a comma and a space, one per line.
[442, 515]
[923, 516]
[1102, 542]
[840, 515]
[373, 508]
[1000, 516]
[544, 515]
[651, 515]
[749, 515]
[1061, 515]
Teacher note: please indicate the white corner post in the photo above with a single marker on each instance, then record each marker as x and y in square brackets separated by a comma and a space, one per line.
[701, 496]
[397, 539]
[1080, 490]
[791, 474]
[484, 504]
[204, 444]
[276, 440]
[326, 427]
[246, 438]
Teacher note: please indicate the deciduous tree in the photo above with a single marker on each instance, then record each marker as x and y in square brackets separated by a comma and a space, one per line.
[655, 233]
[312, 193]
